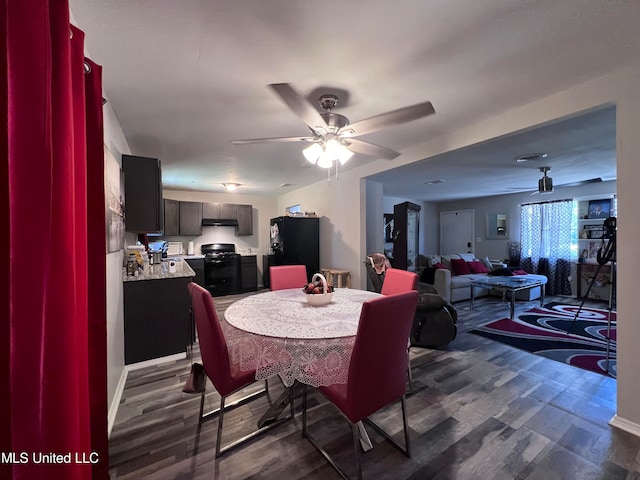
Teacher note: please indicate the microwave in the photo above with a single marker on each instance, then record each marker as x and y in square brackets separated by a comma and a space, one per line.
[174, 248]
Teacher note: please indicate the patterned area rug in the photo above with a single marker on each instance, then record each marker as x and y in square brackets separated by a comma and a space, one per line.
[543, 331]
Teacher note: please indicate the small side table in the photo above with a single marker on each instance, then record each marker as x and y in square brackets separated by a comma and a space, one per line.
[343, 277]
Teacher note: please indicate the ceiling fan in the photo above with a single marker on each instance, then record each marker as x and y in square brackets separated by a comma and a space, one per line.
[545, 184]
[332, 136]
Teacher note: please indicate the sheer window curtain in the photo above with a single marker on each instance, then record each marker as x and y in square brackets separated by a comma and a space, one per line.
[53, 320]
[546, 238]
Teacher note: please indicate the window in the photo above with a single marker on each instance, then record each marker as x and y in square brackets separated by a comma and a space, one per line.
[549, 241]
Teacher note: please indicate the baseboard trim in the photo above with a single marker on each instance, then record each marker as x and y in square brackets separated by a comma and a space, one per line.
[115, 403]
[117, 397]
[626, 425]
[155, 361]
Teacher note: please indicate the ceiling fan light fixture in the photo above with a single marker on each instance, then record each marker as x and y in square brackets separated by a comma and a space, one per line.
[312, 152]
[337, 151]
[325, 161]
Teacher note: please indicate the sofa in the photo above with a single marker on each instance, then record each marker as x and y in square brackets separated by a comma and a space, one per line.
[441, 273]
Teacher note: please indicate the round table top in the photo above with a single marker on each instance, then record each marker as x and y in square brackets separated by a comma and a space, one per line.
[286, 314]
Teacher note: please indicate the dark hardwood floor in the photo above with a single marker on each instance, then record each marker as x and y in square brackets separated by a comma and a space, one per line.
[480, 410]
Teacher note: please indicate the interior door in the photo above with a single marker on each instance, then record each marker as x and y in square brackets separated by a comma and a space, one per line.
[457, 232]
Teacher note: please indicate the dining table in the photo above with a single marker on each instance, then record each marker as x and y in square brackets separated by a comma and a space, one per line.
[281, 333]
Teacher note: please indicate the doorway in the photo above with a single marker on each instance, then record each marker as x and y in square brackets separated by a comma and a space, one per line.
[457, 231]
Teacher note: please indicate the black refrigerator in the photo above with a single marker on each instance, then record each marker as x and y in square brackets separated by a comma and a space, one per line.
[293, 241]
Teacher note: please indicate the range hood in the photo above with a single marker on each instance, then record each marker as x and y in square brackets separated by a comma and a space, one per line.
[219, 222]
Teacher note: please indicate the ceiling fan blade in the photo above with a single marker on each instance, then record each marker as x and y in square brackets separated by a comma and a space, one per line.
[388, 119]
[296, 102]
[366, 148]
[581, 182]
[247, 141]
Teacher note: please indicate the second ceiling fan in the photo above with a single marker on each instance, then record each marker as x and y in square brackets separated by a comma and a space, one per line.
[331, 136]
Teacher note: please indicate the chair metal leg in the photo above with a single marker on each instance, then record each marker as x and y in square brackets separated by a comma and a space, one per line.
[224, 407]
[220, 422]
[355, 432]
[409, 373]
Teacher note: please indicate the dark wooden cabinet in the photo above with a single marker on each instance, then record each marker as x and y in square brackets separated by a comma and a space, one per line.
[240, 216]
[156, 318]
[197, 265]
[142, 194]
[190, 219]
[182, 218]
[220, 211]
[171, 217]
[249, 273]
[406, 234]
[245, 220]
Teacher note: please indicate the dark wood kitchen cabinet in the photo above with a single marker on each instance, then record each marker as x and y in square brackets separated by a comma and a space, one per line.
[245, 220]
[182, 218]
[249, 273]
[171, 217]
[142, 194]
[242, 214]
[156, 318]
[220, 211]
[197, 265]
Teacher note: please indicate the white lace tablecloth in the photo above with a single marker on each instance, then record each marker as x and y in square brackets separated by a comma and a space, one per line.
[278, 333]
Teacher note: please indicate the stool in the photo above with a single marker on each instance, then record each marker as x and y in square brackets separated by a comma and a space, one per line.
[343, 277]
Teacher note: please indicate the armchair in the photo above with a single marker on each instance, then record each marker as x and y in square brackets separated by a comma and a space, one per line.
[434, 324]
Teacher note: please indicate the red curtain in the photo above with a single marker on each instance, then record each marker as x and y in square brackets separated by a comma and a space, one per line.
[53, 373]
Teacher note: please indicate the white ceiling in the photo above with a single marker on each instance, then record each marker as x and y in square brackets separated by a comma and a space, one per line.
[184, 78]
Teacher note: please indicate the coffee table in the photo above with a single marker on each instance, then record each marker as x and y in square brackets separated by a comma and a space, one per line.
[507, 285]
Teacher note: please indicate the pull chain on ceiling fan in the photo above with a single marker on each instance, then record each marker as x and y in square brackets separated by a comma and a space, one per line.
[332, 137]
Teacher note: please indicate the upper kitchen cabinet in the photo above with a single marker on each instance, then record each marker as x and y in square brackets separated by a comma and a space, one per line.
[142, 194]
[182, 218]
[245, 220]
[229, 215]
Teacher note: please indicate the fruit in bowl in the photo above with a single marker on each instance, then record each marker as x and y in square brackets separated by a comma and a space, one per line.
[318, 291]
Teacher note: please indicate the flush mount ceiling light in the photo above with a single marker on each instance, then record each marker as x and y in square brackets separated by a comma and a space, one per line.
[530, 157]
[230, 186]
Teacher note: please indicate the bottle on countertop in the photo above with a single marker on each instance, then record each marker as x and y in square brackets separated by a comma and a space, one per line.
[132, 265]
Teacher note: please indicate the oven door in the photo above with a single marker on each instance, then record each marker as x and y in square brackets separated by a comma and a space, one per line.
[222, 276]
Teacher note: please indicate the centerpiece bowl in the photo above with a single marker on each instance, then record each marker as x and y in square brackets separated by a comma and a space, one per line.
[325, 295]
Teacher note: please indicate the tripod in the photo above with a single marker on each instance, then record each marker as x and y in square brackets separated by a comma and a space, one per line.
[606, 254]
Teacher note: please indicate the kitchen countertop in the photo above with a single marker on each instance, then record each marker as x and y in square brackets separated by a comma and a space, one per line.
[161, 271]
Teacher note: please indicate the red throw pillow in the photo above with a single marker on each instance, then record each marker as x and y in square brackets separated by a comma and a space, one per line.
[519, 272]
[477, 267]
[439, 265]
[459, 266]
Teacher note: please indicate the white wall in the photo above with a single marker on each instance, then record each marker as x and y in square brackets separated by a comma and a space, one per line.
[344, 201]
[117, 144]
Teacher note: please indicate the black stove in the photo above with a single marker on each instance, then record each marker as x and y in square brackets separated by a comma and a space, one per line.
[221, 269]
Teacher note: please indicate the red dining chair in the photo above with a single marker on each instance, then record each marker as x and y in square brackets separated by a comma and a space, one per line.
[397, 281]
[227, 378]
[288, 276]
[376, 371]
